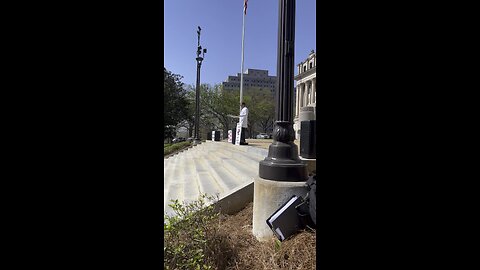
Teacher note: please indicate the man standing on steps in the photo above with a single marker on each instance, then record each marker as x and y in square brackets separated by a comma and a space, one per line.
[243, 121]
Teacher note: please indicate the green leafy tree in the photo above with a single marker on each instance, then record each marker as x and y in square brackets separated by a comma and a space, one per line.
[265, 112]
[169, 133]
[189, 121]
[206, 121]
[260, 104]
[218, 104]
[175, 106]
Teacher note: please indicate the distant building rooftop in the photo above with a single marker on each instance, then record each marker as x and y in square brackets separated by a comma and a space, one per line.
[256, 78]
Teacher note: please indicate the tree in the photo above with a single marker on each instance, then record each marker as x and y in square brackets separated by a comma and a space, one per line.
[260, 104]
[266, 117]
[189, 121]
[175, 106]
[218, 104]
[169, 133]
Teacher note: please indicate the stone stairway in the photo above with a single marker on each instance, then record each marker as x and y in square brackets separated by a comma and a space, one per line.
[212, 168]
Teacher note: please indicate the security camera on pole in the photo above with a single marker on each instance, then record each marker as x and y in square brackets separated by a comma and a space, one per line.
[197, 90]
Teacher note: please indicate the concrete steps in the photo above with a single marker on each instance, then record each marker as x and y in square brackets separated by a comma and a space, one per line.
[171, 188]
[225, 178]
[212, 168]
[191, 190]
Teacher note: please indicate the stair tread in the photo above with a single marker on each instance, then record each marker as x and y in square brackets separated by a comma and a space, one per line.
[211, 167]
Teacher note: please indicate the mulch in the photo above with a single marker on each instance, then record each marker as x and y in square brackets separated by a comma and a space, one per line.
[241, 250]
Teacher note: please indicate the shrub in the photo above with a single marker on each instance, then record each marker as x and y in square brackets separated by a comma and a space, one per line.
[175, 147]
[187, 233]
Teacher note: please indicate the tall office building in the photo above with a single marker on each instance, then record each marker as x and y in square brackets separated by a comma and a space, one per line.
[306, 88]
[252, 78]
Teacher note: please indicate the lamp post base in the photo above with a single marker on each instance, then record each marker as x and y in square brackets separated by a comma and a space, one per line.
[268, 196]
[282, 162]
[284, 168]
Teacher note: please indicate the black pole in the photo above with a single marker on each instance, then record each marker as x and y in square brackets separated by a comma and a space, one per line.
[197, 101]
[197, 90]
[282, 162]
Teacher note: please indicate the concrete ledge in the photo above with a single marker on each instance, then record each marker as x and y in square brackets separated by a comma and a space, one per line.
[311, 164]
[236, 200]
[268, 197]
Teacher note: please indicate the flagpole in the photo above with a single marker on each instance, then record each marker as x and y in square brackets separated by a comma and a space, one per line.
[243, 43]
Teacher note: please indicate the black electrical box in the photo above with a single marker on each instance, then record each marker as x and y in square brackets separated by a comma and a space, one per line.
[234, 135]
[308, 136]
[217, 135]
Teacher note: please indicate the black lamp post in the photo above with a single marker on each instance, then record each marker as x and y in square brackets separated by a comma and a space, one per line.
[282, 162]
[197, 90]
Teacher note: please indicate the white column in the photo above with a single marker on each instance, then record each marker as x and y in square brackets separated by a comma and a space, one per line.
[300, 98]
[307, 87]
[314, 97]
[297, 104]
[304, 90]
[306, 93]
[296, 94]
[310, 92]
[299, 101]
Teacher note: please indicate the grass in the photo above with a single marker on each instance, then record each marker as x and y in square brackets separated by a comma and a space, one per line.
[170, 149]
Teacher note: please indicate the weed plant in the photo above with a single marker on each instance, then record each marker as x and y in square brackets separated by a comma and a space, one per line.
[188, 233]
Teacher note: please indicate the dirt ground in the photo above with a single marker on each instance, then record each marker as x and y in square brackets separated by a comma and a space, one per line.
[243, 251]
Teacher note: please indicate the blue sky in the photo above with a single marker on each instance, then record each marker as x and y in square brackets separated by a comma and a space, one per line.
[221, 23]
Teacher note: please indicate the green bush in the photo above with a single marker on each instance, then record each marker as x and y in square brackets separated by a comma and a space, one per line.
[175, 147]
[187, 233]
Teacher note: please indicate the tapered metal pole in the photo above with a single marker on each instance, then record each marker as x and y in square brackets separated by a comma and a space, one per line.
[197, 104]
[282, 162]
[199, 59]
[241, 74]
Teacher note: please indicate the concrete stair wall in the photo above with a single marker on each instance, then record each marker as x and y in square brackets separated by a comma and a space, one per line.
[214, 168]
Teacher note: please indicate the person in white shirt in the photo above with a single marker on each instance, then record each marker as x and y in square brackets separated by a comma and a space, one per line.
[244, 123]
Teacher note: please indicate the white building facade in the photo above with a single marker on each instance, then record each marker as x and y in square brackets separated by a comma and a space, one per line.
[305, 89]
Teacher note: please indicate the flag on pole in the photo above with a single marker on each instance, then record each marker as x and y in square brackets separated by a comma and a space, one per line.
[245, 6]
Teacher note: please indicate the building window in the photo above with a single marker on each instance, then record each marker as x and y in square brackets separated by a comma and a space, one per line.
[311, 64]
[304, 68]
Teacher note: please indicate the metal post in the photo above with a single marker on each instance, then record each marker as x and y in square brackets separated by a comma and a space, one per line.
[282, 162]
[197, 90]
[241, 73]
[197, 104]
